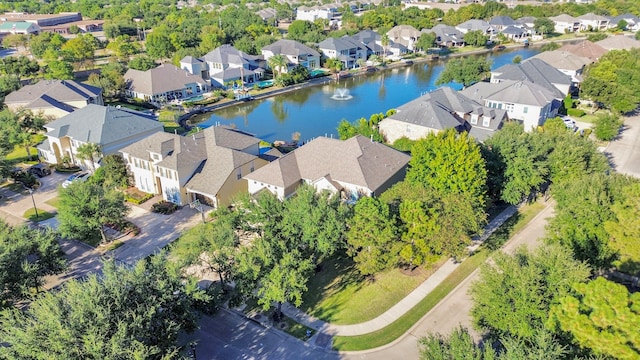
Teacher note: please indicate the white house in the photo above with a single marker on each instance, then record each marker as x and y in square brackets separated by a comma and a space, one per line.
[567, 62]
[345, 49]
[316, 12]
[223, 65]
[535, 71]
[111, 128]
[591, 21]
[351, 168]
[406, 35]
[564, 23]
[294, 52]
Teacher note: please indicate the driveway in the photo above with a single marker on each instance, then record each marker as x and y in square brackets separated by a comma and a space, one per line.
[624, 152]
[13, 205]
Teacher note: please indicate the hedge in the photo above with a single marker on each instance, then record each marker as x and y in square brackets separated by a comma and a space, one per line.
[575, 112]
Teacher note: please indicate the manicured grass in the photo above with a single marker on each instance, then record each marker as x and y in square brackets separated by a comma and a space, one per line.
[468, 266]
[42, 215]
[340, 295]
[55, 202]
[297, 330]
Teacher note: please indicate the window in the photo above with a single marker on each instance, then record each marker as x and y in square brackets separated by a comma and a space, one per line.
[239, 174]
[525, 109]
[486, 121]
[252, 168]
[474, 119]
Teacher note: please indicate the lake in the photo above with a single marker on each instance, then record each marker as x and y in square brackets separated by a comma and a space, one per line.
[314, 111]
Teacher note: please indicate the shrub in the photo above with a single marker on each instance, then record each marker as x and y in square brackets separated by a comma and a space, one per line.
[164, 207]
[607, 127]
[137, 198]
[575, 112]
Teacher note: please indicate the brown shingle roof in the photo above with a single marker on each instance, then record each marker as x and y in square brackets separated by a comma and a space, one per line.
[159, 80]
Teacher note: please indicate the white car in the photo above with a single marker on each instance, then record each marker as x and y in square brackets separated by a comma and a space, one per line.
[568, 122]
[77, 177]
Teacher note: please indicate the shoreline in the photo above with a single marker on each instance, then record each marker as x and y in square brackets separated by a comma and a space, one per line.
[183, 119]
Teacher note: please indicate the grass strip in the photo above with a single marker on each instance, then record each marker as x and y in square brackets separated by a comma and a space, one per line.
[42, 215]
[404, 323]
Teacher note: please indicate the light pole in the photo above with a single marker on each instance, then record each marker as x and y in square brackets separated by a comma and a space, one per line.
[34, 202]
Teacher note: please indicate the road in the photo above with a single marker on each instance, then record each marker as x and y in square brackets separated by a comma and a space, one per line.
[624, 152]
[230, 337]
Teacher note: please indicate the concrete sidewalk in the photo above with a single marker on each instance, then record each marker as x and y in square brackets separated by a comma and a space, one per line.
[403, 305]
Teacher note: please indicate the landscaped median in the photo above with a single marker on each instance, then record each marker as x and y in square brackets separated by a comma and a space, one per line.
[405, 322]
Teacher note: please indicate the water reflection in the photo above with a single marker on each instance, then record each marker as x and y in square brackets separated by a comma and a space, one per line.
[312, 112]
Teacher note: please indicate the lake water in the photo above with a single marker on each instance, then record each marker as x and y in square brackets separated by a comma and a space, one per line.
[314, 111]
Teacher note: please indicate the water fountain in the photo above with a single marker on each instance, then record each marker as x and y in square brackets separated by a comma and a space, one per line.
[341, 94]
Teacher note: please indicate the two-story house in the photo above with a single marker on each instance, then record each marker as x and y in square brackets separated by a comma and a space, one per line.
[54, 98]
[164, 83]
[477, 25]
[446, 36]
[224, 65]
[111, 128]
[346, 49]
[567, 62]
[564, 23]
[295, 53]
[538, 72]
[207, 166]
[351, 168]
[406, 35]
[593, 22]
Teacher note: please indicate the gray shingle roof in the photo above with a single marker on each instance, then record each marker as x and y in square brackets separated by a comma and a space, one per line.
[102, 125]
[475, 25]
[290, 47]
[227, 54]
[619, 42]
[536, 71]
[502, 21]
[592, 17]
[517, 92]
[339, 44]
[159, 80]
[564, 18]
[563, 60]
[52, 91]
[357, 161]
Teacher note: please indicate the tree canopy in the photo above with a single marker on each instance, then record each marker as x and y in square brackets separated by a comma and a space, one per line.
[466, 71]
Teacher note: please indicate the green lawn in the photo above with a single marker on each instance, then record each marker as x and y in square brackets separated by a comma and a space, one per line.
[42, 215]
[20, 154]
[55, 202]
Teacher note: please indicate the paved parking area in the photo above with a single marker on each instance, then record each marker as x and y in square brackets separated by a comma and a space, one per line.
[13, 205]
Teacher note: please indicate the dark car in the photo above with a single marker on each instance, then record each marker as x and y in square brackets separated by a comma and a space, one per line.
[40, 170]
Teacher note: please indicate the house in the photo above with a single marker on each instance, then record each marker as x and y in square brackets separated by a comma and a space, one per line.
[515, 33]
[373, 42]
[568, 63]
[345, 49]
[164, 83]
[207, 166]
[523, 100]
[268, 15]
[502, 22]
[527, 21]
[593, 22]
[439, 110]
[295, 53]
[111, 128]
[447, 36]
[316, 12]
[564, 23]
[536, 71]
[406, 35]
[352, 168]
[585, 49]
[223, 65]
[633, 22]
[619, 42]
[477, 25]
[54, 98]
[19, 27]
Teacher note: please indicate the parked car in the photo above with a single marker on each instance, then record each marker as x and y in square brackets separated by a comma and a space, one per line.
[40, 170]
[570, 124]
[77, 177]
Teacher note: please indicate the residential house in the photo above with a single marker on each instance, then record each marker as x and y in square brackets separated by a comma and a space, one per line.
[536, 71]
[406, 35]
[446, 36]
[225, 64]
[111, 128]
[593, 22]
[516, 33]
[164, 83]
[316, 12]
[528, 21]
[564, 23]
[268, 15]
[207, 166]
[439, 110]
[54, 98]
[502, 22]
[477, 25]
[523, 100]
[619, 42]
[585, 49]
[295, 53]
[345, 49]
[566, 62]
[373, 42]
[633, 22]
[19, 27]
[352, 168]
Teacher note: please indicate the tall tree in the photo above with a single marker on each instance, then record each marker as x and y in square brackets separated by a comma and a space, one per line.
[624, 229]
[372, 237]
[466, 71]
[88, 152]
[85, 207]
[26, 256]
[602, 316]
[426, 41]
[59, 70]
[384, 41]
[124, 314]
[80, 49]
[334, 65]
[476, 38]
[544, 26]
[514, 293]
[277, 63]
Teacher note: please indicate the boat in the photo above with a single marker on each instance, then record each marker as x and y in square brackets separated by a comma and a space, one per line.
[499, 48]
[526, 43]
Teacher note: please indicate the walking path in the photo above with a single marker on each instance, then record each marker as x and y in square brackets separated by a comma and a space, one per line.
[403, 305]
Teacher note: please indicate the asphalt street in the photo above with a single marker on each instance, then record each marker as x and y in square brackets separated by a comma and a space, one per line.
[624, 151]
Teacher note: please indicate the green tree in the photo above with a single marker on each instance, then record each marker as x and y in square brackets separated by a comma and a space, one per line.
[26, 257]
[89, 152]
[514, 293]
[450, 163]
[124, 314]
[110, 79]
[211, 37]
[602, 316]
[142, 63]
[20, 66]
[80, 49]
[299, 30]
[277, 63]
[372, 237]
[15, 41]
[112, 172]
[334, 65]
[159, 44]
[123, 47]
[476, 38]
[550, 46]
[426, 41]
[607, 126]
[384, 41]
[466, 71]
[58, 70]
[624, 229]
[85, 207]
[622, 25]
[597, 36]
[544, 26]
[29, 125]
[8, 84]
[39, 44]
[517, 59]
